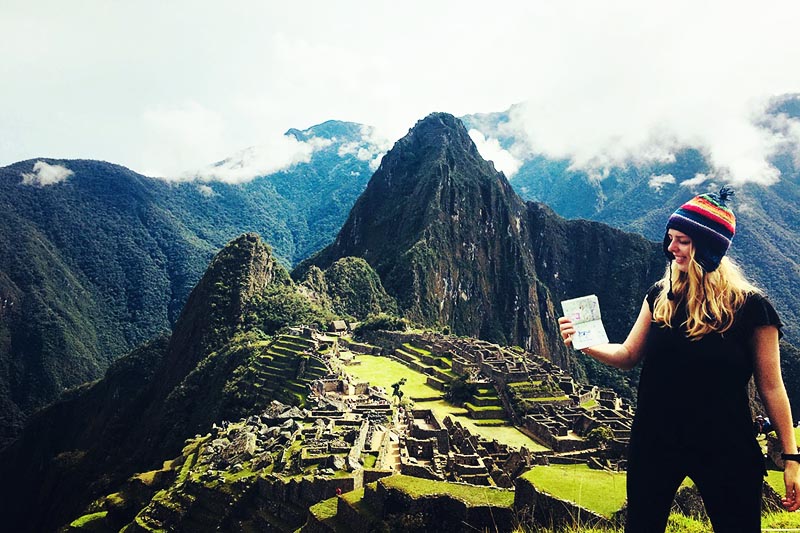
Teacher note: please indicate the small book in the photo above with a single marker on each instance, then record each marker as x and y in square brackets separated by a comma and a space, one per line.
[585, 315]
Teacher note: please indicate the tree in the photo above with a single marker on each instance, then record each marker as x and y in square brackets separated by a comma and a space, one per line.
[460, 390]
[600, 436]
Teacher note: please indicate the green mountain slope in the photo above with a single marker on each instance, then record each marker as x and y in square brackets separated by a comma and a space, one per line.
[160, 394]
[101, 262]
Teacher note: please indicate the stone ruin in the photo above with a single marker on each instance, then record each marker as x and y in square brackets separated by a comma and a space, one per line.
[560, 424]
[448, 451]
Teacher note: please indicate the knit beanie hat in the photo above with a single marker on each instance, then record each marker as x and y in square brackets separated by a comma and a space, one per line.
[709, 223]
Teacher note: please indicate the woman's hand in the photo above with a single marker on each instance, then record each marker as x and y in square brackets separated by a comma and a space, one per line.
[567, 329]
[791, 477]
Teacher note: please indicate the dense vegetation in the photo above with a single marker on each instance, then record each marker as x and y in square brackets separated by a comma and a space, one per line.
[218, 364]
[103, 261]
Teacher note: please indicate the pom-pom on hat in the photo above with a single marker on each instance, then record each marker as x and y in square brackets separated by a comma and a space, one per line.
[709, 223]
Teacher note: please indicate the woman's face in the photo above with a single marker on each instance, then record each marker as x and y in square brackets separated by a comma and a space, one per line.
[680, 245]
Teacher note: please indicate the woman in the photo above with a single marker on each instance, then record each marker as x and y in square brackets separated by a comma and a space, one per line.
[702, 332]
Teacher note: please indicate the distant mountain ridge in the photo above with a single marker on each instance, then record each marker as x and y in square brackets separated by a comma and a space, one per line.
[640, 198]
[101, 261]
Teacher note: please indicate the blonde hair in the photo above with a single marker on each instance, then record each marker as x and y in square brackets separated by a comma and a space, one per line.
[712, 299]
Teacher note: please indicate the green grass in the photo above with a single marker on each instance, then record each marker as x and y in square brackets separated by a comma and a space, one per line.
[546, 399]
[356, 500]
[781, 520]
[353, 496]
[324, 510]
[677, 523]
[471, 407]
[383, 372]
[86, 520]
[597, 490]
[775, 480]
[491, 422]
[604, 493]
[505, 434]
[370, 459]
[418, 350]
[469, 494]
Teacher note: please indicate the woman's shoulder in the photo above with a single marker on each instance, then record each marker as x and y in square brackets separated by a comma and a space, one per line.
[757, 310]
[652, 293]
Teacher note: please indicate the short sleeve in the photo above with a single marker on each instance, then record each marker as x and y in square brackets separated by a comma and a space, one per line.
[758, 311]
[652, 294]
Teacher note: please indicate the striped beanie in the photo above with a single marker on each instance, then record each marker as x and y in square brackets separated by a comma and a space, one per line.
[709, 223]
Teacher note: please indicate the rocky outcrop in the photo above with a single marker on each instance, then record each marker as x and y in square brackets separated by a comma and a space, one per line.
[148, 403]
[457, 247]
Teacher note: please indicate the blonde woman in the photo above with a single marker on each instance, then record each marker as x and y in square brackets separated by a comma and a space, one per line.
[702, 332]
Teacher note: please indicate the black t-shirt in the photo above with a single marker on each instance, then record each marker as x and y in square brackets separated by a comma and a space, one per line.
[693, 394]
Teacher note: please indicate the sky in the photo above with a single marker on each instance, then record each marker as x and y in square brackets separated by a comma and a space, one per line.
[168, 87]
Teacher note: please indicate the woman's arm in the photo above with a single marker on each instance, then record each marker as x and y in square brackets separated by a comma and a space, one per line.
[625, 355]
[767, 373]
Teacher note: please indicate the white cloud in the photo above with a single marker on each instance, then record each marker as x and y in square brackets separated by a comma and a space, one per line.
[658, 182]
[45, 174]
[604, 83]
[371, 147]
[696, 181]
[491, 150]
[694, 75]
[278, 153]
[206, 191]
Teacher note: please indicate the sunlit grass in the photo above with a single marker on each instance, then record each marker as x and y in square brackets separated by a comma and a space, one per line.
[677, 523]
[505, 434]
[597, 490]
[383, 372]
[469, 494]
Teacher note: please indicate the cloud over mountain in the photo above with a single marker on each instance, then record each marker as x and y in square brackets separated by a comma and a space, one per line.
[45, 174]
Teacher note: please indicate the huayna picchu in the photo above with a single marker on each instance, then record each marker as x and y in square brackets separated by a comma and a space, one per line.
[455, 246]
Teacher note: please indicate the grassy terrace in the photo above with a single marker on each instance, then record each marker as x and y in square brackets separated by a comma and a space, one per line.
[382, 371]
[469, 494]
[682, 524]
[420, 351]
[505, 434]
[597, 490]
[324, 510]
[604, 493]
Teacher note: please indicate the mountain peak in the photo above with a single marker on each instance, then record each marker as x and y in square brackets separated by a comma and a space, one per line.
[439, 131]
[329, 129]
[217, 305]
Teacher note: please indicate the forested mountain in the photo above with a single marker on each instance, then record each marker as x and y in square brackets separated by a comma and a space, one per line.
[96, 259]
[437, 235]
[168, 389]
[456, 246]
[641, 197]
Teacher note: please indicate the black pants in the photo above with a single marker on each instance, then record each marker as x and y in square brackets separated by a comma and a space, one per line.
[730, 484]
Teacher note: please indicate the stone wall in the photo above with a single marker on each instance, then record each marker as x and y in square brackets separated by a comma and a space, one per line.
[441, 512]
[535, 507]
